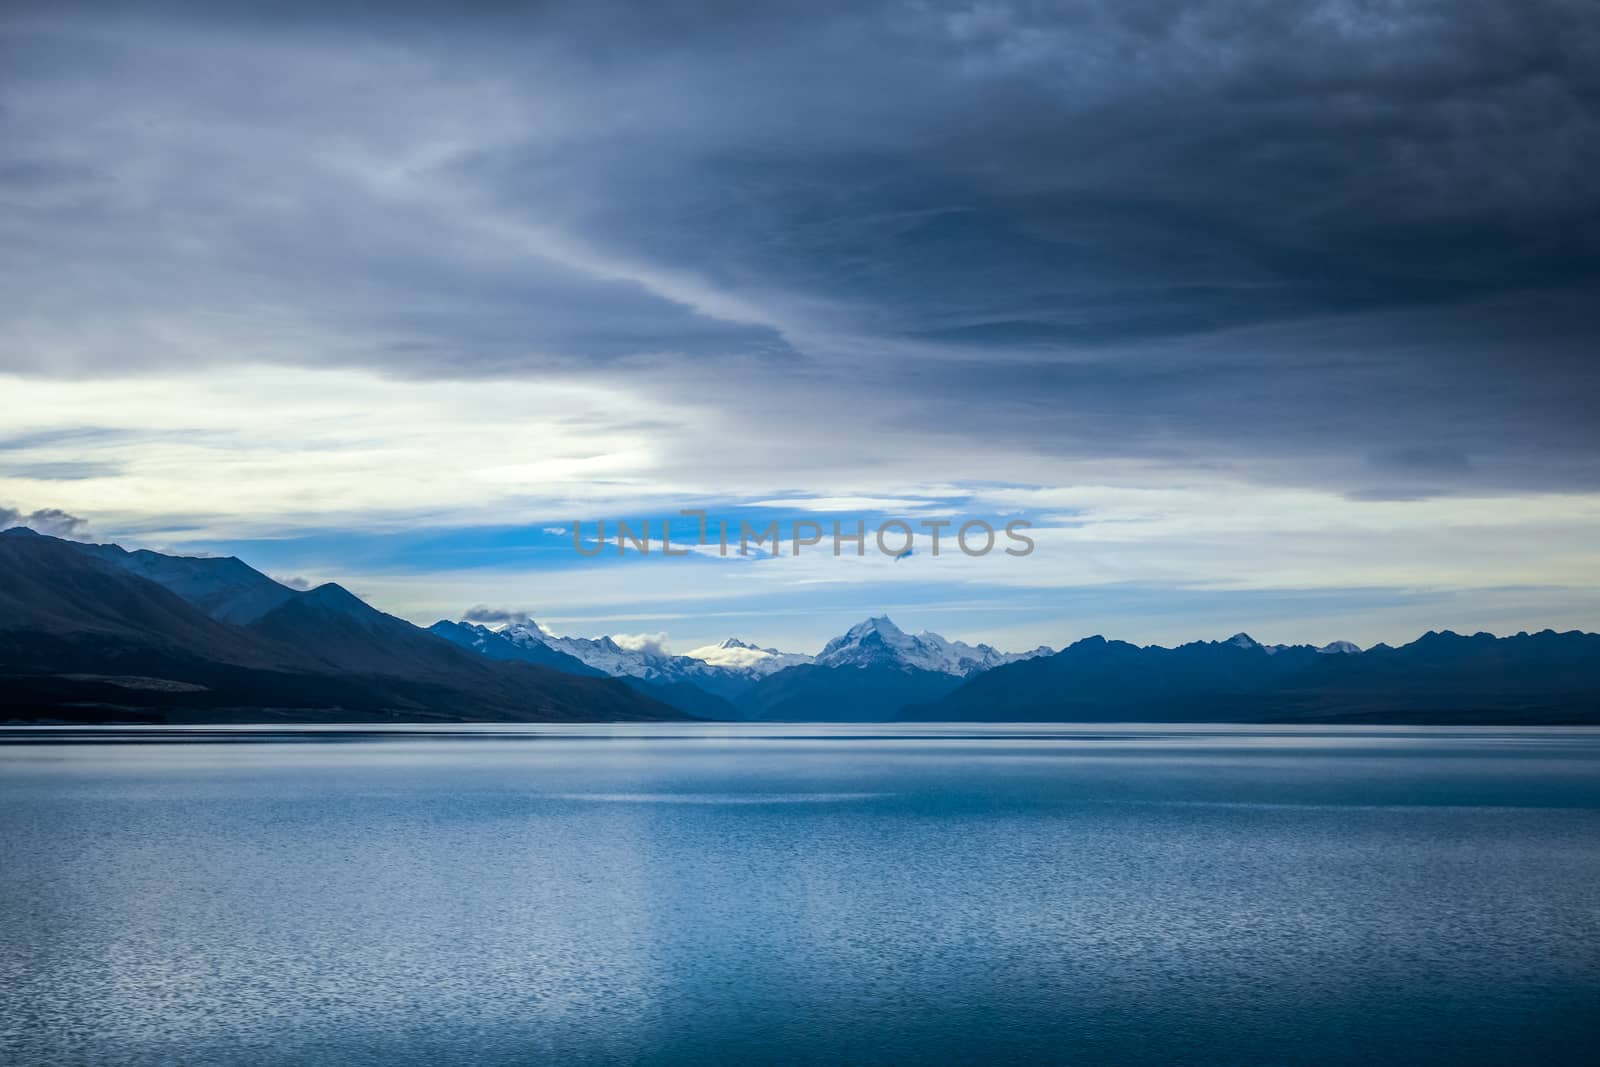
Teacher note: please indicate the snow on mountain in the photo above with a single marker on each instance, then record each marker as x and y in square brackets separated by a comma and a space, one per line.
[733, 654]
[729, 667]
[602, 653]
[646, 658]
[874, 642]
[878, 641]
[1243, 640]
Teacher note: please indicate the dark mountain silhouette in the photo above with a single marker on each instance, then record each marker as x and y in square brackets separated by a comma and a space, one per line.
[340, 630]
[1445, 677]
[815, 693]
[223, 587]
[55, 595]
[85, 637]
[685, 697]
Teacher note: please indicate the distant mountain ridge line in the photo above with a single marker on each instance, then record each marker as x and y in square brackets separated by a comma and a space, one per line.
[94, 629]
[877, 671]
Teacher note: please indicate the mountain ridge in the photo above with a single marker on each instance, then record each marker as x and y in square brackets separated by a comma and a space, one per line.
[1440, 677]
[877, 641]
[89, 630]
[84, 637]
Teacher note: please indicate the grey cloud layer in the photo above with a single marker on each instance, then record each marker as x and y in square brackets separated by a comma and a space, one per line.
[52, 521]
[1350, 244]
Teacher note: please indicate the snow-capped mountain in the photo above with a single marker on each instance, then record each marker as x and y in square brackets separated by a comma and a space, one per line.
[879, 642]
[604, 654]
[732, 665]
[1243, 640]
[723, 669]
[90, 628]
[735, 655]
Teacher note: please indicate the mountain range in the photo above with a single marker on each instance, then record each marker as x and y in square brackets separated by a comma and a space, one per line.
[873, 666]
[95, 633]
[1442, 677]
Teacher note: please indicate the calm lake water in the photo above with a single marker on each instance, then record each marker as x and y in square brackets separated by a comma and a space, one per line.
[867, 895]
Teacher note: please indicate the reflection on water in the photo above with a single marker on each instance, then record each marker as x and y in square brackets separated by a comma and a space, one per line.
[863, 894]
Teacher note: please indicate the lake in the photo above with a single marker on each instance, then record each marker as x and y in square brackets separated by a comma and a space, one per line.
[782, 894]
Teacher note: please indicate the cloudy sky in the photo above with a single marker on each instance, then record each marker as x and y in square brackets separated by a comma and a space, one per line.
[1271, 315]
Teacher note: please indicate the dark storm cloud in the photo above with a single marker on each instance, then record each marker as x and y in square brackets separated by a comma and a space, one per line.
[1350, 243]
[484, 614]
[1454, 397]
[998, 172]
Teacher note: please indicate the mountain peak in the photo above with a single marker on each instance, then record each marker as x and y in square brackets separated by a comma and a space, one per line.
[334, 595]
[524, 625]
[1242, 640]
[878, 642]
[743, 658]
[876, 624]
[20, 531]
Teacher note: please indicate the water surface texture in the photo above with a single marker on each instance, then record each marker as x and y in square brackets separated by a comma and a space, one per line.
[870, 895]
